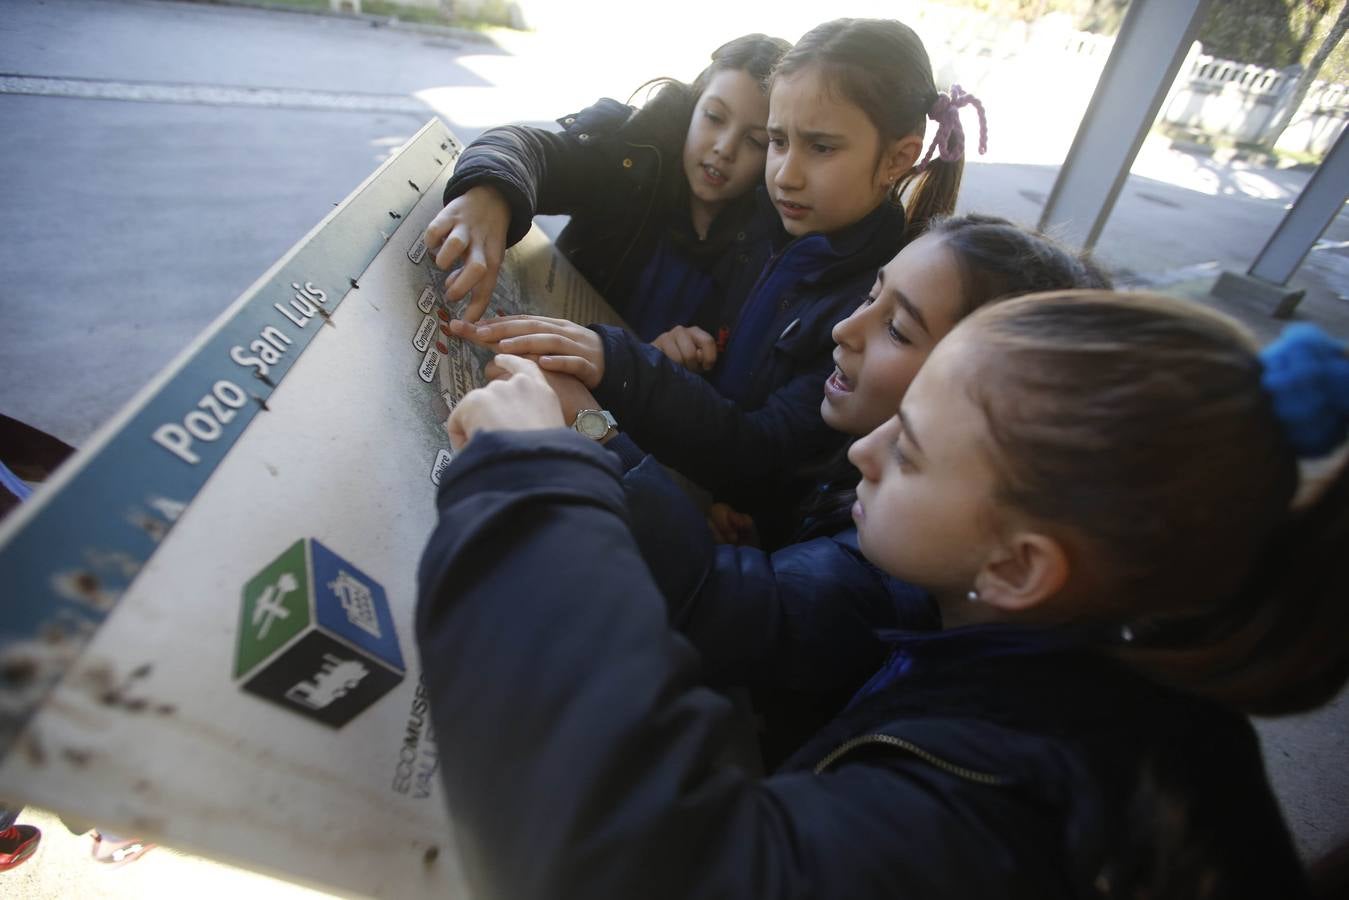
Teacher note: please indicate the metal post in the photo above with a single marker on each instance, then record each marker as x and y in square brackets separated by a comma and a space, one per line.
[1152, 44]
[1315, 208]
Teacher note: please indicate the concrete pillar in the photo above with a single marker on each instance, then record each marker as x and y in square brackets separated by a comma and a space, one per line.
[1316, 207]
[1152, 44]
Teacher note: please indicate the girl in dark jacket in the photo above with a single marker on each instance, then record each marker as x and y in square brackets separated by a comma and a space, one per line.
[847, 112]
[1102, 492]
[798, 626]
[660, 198]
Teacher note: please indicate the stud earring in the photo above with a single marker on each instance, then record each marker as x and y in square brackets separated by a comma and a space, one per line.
[1126, 634]
[972, 596]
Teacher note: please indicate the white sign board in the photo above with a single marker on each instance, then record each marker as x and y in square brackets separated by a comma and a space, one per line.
[209, 611]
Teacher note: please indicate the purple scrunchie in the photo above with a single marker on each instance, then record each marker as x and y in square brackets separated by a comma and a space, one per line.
[950, 138]
[1307, 378]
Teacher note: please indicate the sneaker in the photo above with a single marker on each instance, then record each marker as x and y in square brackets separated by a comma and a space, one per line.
[112, 851]
[17, 843]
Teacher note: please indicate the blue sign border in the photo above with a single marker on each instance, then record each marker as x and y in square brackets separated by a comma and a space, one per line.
[76, 547]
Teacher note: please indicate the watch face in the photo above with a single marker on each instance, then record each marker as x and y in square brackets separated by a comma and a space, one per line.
[591, 424]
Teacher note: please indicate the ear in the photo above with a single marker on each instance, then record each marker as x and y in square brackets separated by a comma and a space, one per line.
[1026, 570]
[901, 156]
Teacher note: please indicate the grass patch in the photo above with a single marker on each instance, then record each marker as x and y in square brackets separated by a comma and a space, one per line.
[1243, 149]
[386, 9]
[1298, 158]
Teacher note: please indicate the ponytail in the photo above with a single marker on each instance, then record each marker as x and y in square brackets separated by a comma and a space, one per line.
[931, 194]
[1149, 431]
[1280, 646]
[882, 67]
[936, 181]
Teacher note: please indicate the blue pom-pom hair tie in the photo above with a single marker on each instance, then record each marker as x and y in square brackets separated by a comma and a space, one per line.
[1306, 374]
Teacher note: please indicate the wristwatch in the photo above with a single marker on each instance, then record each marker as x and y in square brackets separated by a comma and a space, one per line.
[596, 424]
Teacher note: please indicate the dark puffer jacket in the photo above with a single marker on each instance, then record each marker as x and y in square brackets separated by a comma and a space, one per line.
[581, 749]
[799, 627]
[754, 453]
[618, 173]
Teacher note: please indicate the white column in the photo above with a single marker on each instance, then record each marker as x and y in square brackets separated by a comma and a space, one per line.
[1152, 44]
[1266, 282]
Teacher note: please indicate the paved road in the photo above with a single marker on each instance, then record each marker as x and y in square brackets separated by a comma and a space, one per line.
[159, 156]
[132, 221]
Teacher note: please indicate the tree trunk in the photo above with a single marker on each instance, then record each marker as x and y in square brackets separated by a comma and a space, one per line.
[1304, 84]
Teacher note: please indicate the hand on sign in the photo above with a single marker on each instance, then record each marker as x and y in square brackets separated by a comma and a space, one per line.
[730, 526]
[519, 400]
[558, 345]
[472, 227]
[571, 394]
[689, 346]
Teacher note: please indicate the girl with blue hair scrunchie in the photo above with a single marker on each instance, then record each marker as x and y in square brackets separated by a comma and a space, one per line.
[1097, 491]
[1307, 377]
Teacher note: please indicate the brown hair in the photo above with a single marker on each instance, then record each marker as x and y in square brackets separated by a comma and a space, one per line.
[996, 259]
[1136, 428]
[882, 67]
[754, 54]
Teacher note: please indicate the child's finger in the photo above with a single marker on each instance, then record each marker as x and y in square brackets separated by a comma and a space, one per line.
[541, 320]
[474, 334]
[479, 298]
[439, 229]
[583, 369]
[706, 345]
[551, 344]
[455, 426]
[517, 326]
[453, 247]
[687, 349]
[516, 365]
[459, 283]
[483, 271]
[665, 345]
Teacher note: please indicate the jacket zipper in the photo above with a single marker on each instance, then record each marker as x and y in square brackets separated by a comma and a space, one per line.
[930, 758]
[650, 200]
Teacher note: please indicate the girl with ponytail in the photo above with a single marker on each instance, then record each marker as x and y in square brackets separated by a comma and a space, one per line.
[1108, 497]
[847, 112]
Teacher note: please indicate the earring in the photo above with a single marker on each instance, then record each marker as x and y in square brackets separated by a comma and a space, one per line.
[972, 596]
[1126, 634]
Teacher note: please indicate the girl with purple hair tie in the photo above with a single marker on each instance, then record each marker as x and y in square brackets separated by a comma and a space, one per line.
[843, 193]
[1102, 493]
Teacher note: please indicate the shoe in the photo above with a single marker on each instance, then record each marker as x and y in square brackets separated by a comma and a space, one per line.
[17, 843]
[117, 852]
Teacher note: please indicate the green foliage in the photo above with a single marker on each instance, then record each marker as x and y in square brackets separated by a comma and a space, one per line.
[405, 13]
[492, 12]
[1100, 16]
[1275, 33]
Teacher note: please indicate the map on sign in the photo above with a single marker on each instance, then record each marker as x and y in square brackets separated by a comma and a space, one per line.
[209, 636]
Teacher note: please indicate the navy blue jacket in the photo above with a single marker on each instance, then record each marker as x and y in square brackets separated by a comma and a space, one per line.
[581, 748]
[754, 453]
[803, 617]
[618, 173]
[799, 627]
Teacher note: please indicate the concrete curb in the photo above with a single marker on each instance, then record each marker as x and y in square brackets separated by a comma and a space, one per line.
[463, 34]
[1223, 154]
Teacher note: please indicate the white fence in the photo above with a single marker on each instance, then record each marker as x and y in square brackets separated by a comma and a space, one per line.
[1221, 96]
[1058, 66]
